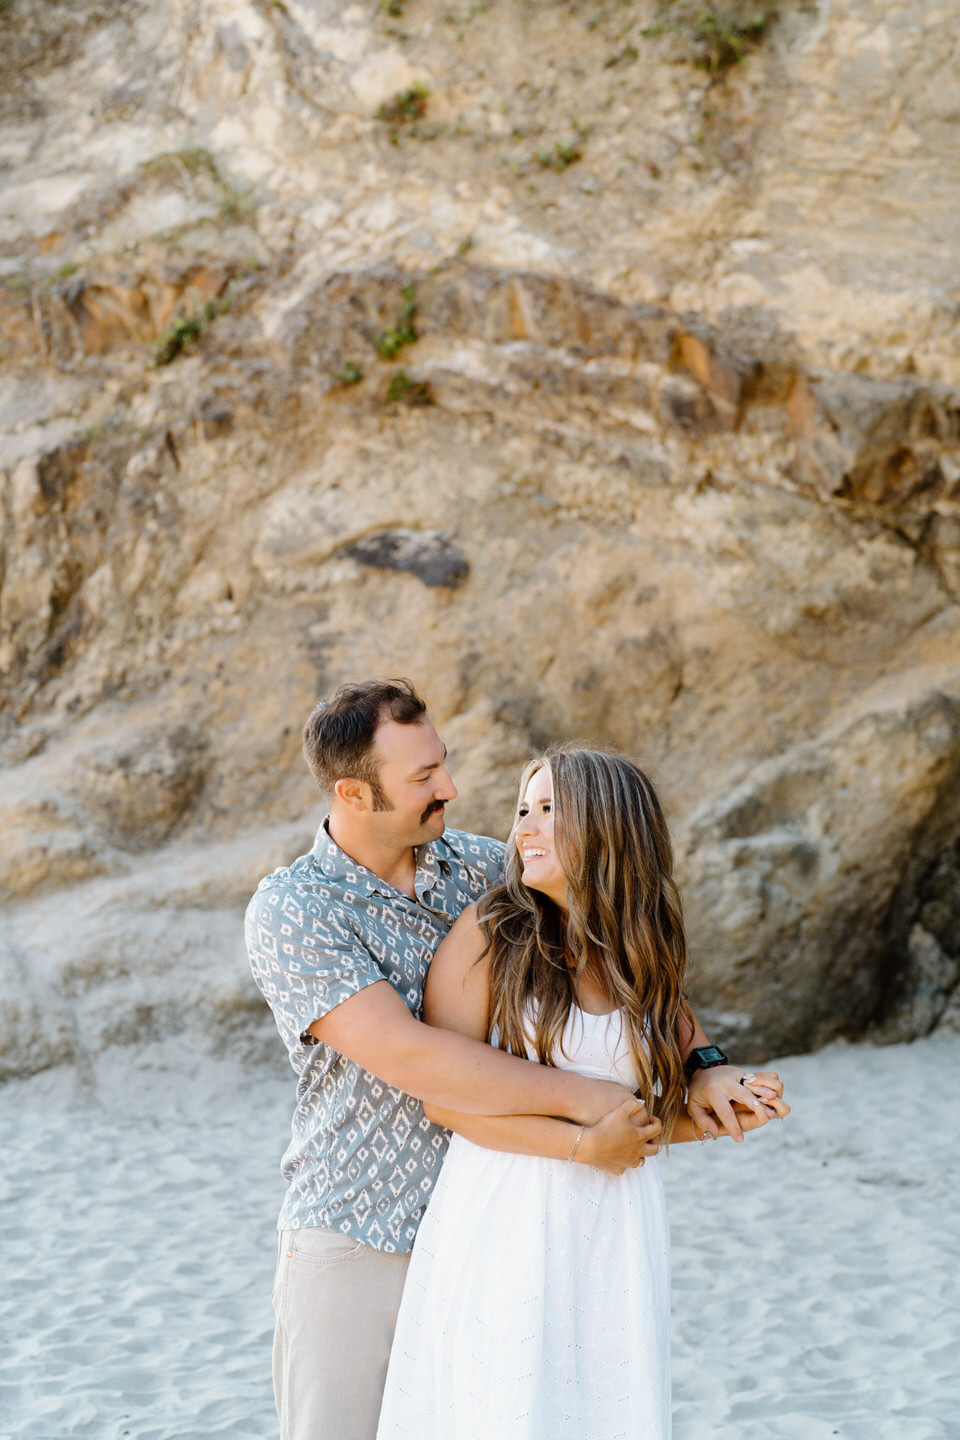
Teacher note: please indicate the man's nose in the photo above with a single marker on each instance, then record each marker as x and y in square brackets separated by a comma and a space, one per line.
[446, 790]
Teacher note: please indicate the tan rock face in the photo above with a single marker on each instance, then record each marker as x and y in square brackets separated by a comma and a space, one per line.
[795, 830]
[656, 445]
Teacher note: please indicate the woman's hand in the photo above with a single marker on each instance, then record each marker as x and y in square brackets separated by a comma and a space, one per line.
[750, 1120]
[622, 1140]
[713, 1094]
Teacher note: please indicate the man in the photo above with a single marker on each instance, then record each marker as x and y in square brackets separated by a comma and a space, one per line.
[339, 943]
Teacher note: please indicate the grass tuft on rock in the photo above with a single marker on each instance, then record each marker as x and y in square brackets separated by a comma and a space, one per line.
[405, 332]
[404, 111]
[184, 333]
[348, 374]
[718, 36]
[403, 390]
[563, 154]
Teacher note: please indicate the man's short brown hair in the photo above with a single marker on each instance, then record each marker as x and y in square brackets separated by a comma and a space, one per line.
[339, 733]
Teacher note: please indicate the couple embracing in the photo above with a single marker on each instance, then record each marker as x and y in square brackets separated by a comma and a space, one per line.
[556, 1044]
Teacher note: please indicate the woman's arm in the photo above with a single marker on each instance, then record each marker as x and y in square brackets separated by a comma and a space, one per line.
[714, 1093]
[618, 1142]
[457, 992]
[457, 997]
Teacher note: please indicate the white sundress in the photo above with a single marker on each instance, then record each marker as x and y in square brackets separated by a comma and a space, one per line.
[537, 1302]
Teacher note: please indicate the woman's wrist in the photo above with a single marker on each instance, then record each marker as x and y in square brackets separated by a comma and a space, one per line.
[583, 1151]
[594, 1100]
[576, 1144]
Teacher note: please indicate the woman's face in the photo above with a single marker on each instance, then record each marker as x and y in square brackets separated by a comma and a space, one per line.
[535, 839]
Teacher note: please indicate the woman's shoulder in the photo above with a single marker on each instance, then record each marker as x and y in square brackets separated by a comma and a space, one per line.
[465, 938]
[469, 916]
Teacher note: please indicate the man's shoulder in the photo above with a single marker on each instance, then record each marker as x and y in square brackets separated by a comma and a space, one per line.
[302, 871]
[304, 883]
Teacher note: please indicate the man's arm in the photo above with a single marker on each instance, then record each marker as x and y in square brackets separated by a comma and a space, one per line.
[375, 1029]
[317, 975]
[457, 997]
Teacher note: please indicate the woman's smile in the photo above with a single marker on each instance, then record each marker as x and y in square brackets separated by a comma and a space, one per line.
[534, 838]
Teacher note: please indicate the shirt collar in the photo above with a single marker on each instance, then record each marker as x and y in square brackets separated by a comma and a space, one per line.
[336, 864]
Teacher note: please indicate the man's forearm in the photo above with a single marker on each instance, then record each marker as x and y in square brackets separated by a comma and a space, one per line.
[455, 1072]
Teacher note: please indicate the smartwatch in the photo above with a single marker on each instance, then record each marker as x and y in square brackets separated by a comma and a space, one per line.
[705, 1058]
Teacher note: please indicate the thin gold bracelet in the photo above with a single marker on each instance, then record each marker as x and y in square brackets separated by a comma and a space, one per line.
[576, 1143]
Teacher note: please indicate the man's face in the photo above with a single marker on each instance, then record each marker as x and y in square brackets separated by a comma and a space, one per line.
[414, 782]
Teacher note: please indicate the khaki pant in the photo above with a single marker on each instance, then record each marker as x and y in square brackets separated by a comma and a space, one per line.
[336, 1303]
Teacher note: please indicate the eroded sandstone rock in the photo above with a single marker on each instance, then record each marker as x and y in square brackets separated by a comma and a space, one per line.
[856, 819]
[689, 483]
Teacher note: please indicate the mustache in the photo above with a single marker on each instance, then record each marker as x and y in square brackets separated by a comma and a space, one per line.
[435, 807]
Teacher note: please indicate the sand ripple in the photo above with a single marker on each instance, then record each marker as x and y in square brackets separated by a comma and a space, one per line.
[815, 1269]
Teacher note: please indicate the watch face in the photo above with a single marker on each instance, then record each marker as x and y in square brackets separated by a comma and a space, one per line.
[710, 1055]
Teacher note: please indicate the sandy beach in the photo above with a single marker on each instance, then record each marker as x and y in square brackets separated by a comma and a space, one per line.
[815, 1268]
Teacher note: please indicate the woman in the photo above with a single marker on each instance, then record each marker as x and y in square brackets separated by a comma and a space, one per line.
[537, 1300]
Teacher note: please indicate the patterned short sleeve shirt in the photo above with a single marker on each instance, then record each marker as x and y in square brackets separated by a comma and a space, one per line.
[363, 1158]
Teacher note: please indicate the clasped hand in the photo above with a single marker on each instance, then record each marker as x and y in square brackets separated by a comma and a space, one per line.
[728, 1098]
[622, 1139]
[725, 1098]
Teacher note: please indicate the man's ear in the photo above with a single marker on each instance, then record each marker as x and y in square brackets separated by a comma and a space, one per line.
[353, 793]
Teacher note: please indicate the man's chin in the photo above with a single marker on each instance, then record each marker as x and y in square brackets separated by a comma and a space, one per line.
[436, 823]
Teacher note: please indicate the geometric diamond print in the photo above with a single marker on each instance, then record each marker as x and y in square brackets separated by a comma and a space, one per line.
[362, 1158]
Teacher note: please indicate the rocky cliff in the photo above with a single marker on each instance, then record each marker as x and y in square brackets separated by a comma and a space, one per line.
[607, 388]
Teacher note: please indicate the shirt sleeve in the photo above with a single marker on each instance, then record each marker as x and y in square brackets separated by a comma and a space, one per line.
[305, 957]
[489, 856]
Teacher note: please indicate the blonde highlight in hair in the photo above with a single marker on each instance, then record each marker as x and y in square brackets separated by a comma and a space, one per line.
[623, 925]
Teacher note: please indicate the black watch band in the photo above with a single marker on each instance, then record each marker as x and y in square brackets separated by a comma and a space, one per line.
[704, 1058]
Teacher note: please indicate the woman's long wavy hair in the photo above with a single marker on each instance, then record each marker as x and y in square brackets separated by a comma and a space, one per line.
[624, 923]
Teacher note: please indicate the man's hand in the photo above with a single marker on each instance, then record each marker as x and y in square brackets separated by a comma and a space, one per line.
[715, 1092]
[622, 1140]
[605, 1096]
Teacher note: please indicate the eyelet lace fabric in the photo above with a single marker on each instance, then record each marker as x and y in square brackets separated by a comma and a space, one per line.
[537, 1303]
